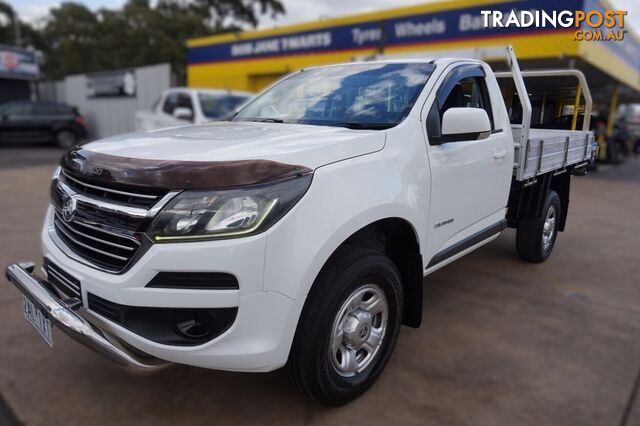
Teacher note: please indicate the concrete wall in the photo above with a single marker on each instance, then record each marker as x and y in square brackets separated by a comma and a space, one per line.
[110, 116]
[53, 91]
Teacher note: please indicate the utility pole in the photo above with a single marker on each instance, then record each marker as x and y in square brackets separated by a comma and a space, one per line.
[16, 25]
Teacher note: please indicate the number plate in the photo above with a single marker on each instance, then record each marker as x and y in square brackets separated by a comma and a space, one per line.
[38, 320]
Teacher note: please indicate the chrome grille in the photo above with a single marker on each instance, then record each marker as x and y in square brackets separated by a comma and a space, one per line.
[107, 249]
[62, 281]
[110, 194]
[105, 231]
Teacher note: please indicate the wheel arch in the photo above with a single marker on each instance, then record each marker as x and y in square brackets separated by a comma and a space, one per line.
[397, 238]
[529, 199]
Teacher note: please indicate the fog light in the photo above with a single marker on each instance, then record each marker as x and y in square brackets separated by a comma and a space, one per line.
[168, 326]
[194, 324]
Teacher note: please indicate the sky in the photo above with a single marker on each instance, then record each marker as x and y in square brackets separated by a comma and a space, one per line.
[35, 11]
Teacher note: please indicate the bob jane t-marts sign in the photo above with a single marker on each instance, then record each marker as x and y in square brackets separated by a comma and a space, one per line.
[448, 25]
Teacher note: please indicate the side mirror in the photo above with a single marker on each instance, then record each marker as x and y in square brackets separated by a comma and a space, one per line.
[183, 113]
[465, 124]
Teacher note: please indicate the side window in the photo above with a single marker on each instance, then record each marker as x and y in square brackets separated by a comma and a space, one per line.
[63, 109]
[17, 108]
[464, 87]
[170, 103]
[175, 100]
[42, 109]
[184, 101]
[46, 108]
[469, 92]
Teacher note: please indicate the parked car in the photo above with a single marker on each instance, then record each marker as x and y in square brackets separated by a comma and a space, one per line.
[180, 105]
[298, 233]
[26, 121]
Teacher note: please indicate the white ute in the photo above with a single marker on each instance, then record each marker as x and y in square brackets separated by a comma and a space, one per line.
[299, 232]
[181, 105]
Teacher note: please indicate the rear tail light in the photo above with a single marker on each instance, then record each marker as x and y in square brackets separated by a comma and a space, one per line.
[80, 120]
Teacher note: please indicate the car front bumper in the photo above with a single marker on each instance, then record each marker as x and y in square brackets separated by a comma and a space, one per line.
[258, 340]
[67, 316]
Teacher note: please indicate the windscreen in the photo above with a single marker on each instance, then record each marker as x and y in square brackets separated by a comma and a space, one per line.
[219, 106]
[375, 95]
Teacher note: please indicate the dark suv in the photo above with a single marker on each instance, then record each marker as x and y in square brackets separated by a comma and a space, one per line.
[25, 121]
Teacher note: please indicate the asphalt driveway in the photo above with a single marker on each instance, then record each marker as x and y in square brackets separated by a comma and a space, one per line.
[503, 342]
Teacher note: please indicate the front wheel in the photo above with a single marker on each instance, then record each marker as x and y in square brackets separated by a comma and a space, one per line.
[348, 328]
[536, 236]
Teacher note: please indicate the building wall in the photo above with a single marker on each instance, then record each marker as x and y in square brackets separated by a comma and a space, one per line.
[110, 116]
[53, 91]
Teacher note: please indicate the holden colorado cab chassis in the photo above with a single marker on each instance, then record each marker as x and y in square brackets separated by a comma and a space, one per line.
[299, 232]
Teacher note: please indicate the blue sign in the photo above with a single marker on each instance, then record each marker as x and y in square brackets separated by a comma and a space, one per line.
[442, 26]
[450, 25]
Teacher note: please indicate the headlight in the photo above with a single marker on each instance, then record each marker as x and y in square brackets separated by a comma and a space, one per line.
[197, 215]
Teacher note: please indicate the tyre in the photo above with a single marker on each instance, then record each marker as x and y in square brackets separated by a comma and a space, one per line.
[348, 328]
[536, 236]
[66, 138]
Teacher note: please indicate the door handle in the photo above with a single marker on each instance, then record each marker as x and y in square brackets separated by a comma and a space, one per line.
[499, 153]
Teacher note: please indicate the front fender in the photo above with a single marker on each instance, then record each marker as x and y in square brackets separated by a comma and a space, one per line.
[345, 197]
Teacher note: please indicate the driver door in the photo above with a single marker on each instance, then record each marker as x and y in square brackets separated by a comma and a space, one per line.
[468, 171]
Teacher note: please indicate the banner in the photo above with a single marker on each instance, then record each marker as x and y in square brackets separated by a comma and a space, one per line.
[18, 63]
[109, 84]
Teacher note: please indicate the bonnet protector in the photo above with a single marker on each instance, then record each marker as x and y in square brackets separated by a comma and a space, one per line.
[175, 175]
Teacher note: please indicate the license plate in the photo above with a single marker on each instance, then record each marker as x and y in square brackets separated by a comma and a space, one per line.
[38, 320]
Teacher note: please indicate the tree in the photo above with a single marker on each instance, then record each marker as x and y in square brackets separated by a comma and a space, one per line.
[72, 31]
[223, 15]
[140, 34]
[7, 24]
[11, 28]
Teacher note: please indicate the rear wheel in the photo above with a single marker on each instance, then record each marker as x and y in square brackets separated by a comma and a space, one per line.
[66, 138]
[348, 328]
[536, 236]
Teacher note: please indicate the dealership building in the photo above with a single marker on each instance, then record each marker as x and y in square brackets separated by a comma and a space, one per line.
[251, 60]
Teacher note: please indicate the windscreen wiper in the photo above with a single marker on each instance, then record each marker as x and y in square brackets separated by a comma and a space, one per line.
[268, 120]
[362, 126]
